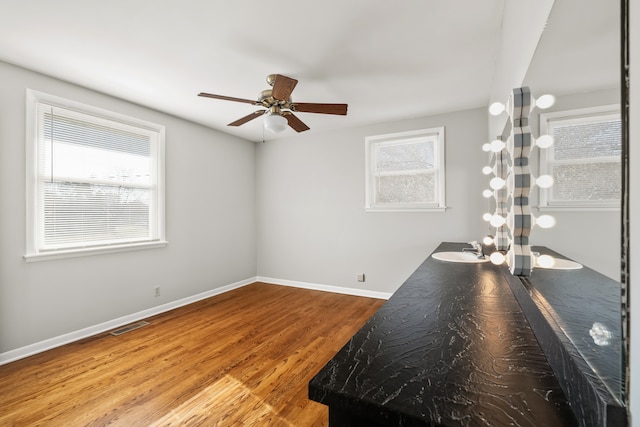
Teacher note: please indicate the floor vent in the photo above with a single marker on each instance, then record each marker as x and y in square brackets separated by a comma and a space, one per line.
[128, 328]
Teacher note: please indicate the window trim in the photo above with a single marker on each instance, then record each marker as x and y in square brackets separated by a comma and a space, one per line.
[400, 138]
[33, 252]
[612, 110]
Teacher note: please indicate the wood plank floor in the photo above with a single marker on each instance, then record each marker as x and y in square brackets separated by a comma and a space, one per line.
[242, 358]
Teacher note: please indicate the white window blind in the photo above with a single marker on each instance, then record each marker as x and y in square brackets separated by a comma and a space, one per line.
[97, 180]
[584, 159]
[405, 171]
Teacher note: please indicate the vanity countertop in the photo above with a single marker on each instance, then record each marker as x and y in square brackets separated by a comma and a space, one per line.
[451, 347]
[575, 315]
[577, 300]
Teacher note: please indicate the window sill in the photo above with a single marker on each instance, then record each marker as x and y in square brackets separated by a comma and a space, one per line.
[401, 209]
[73, 253]
[579, 208]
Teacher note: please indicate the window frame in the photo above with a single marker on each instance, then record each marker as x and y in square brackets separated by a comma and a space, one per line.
[437, 135]
[546, 157]
[34, 252]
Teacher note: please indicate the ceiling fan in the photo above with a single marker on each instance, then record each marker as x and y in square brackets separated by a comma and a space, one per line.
[279, 107]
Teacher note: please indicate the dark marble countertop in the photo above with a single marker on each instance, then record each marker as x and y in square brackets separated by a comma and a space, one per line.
[562, 308]
[451, 347]
[577, 299]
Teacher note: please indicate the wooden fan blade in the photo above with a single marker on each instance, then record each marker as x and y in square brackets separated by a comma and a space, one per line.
[247, 118]
[228, 98]
[295, 122]
[282, 87]
[309, 107]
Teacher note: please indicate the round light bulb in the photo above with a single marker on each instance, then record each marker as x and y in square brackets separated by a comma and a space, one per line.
[545, 101]
[487, 216]
[545, 221]
[545, 261]
[497, 258]
[496, 108]
[487, 193]
[497, 221]
[544, 181]
[497, 183]
[487, 170]
[486, 147]
[496, 145]
[487, 240]
[275, 123]
[545, 141]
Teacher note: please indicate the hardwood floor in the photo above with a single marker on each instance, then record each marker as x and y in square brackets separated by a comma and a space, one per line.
[242, 358]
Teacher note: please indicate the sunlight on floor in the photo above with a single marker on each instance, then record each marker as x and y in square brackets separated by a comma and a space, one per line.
[240, 407]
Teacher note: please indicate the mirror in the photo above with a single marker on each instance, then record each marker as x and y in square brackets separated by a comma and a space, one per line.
[578, 60]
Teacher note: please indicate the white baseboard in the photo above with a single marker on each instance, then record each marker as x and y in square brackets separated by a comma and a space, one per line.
[48, 344]
[326, 288]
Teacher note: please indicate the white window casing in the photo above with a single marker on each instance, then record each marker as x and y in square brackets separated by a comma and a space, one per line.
[405, 171]
[95, 180]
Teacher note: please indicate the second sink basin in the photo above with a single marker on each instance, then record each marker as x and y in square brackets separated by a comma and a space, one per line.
[561, 264]
[465, 257]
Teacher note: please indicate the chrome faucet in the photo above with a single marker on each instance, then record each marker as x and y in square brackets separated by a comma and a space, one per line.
[476, 248]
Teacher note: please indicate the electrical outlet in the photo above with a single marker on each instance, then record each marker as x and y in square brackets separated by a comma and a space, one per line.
[157, 291]
[361, 277]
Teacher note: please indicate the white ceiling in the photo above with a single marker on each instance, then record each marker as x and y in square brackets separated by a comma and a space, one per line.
[387, 60]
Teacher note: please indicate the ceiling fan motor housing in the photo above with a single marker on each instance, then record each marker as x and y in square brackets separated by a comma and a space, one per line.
[266, 98]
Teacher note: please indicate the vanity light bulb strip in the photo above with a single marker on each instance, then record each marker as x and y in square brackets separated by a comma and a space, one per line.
[519, 257]
[512, 217]
[501, 239]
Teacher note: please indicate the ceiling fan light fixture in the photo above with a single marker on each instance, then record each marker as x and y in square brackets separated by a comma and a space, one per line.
[275, 123]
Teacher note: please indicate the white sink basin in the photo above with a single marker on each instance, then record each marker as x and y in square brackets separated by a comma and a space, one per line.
[466, 257]
[561, 264]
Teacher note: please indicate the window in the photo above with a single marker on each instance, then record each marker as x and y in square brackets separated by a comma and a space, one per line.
[405, 171]
[584, 159]
[95, 180]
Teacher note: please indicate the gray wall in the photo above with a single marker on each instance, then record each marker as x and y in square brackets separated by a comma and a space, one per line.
[210, 217]
[312, 226]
